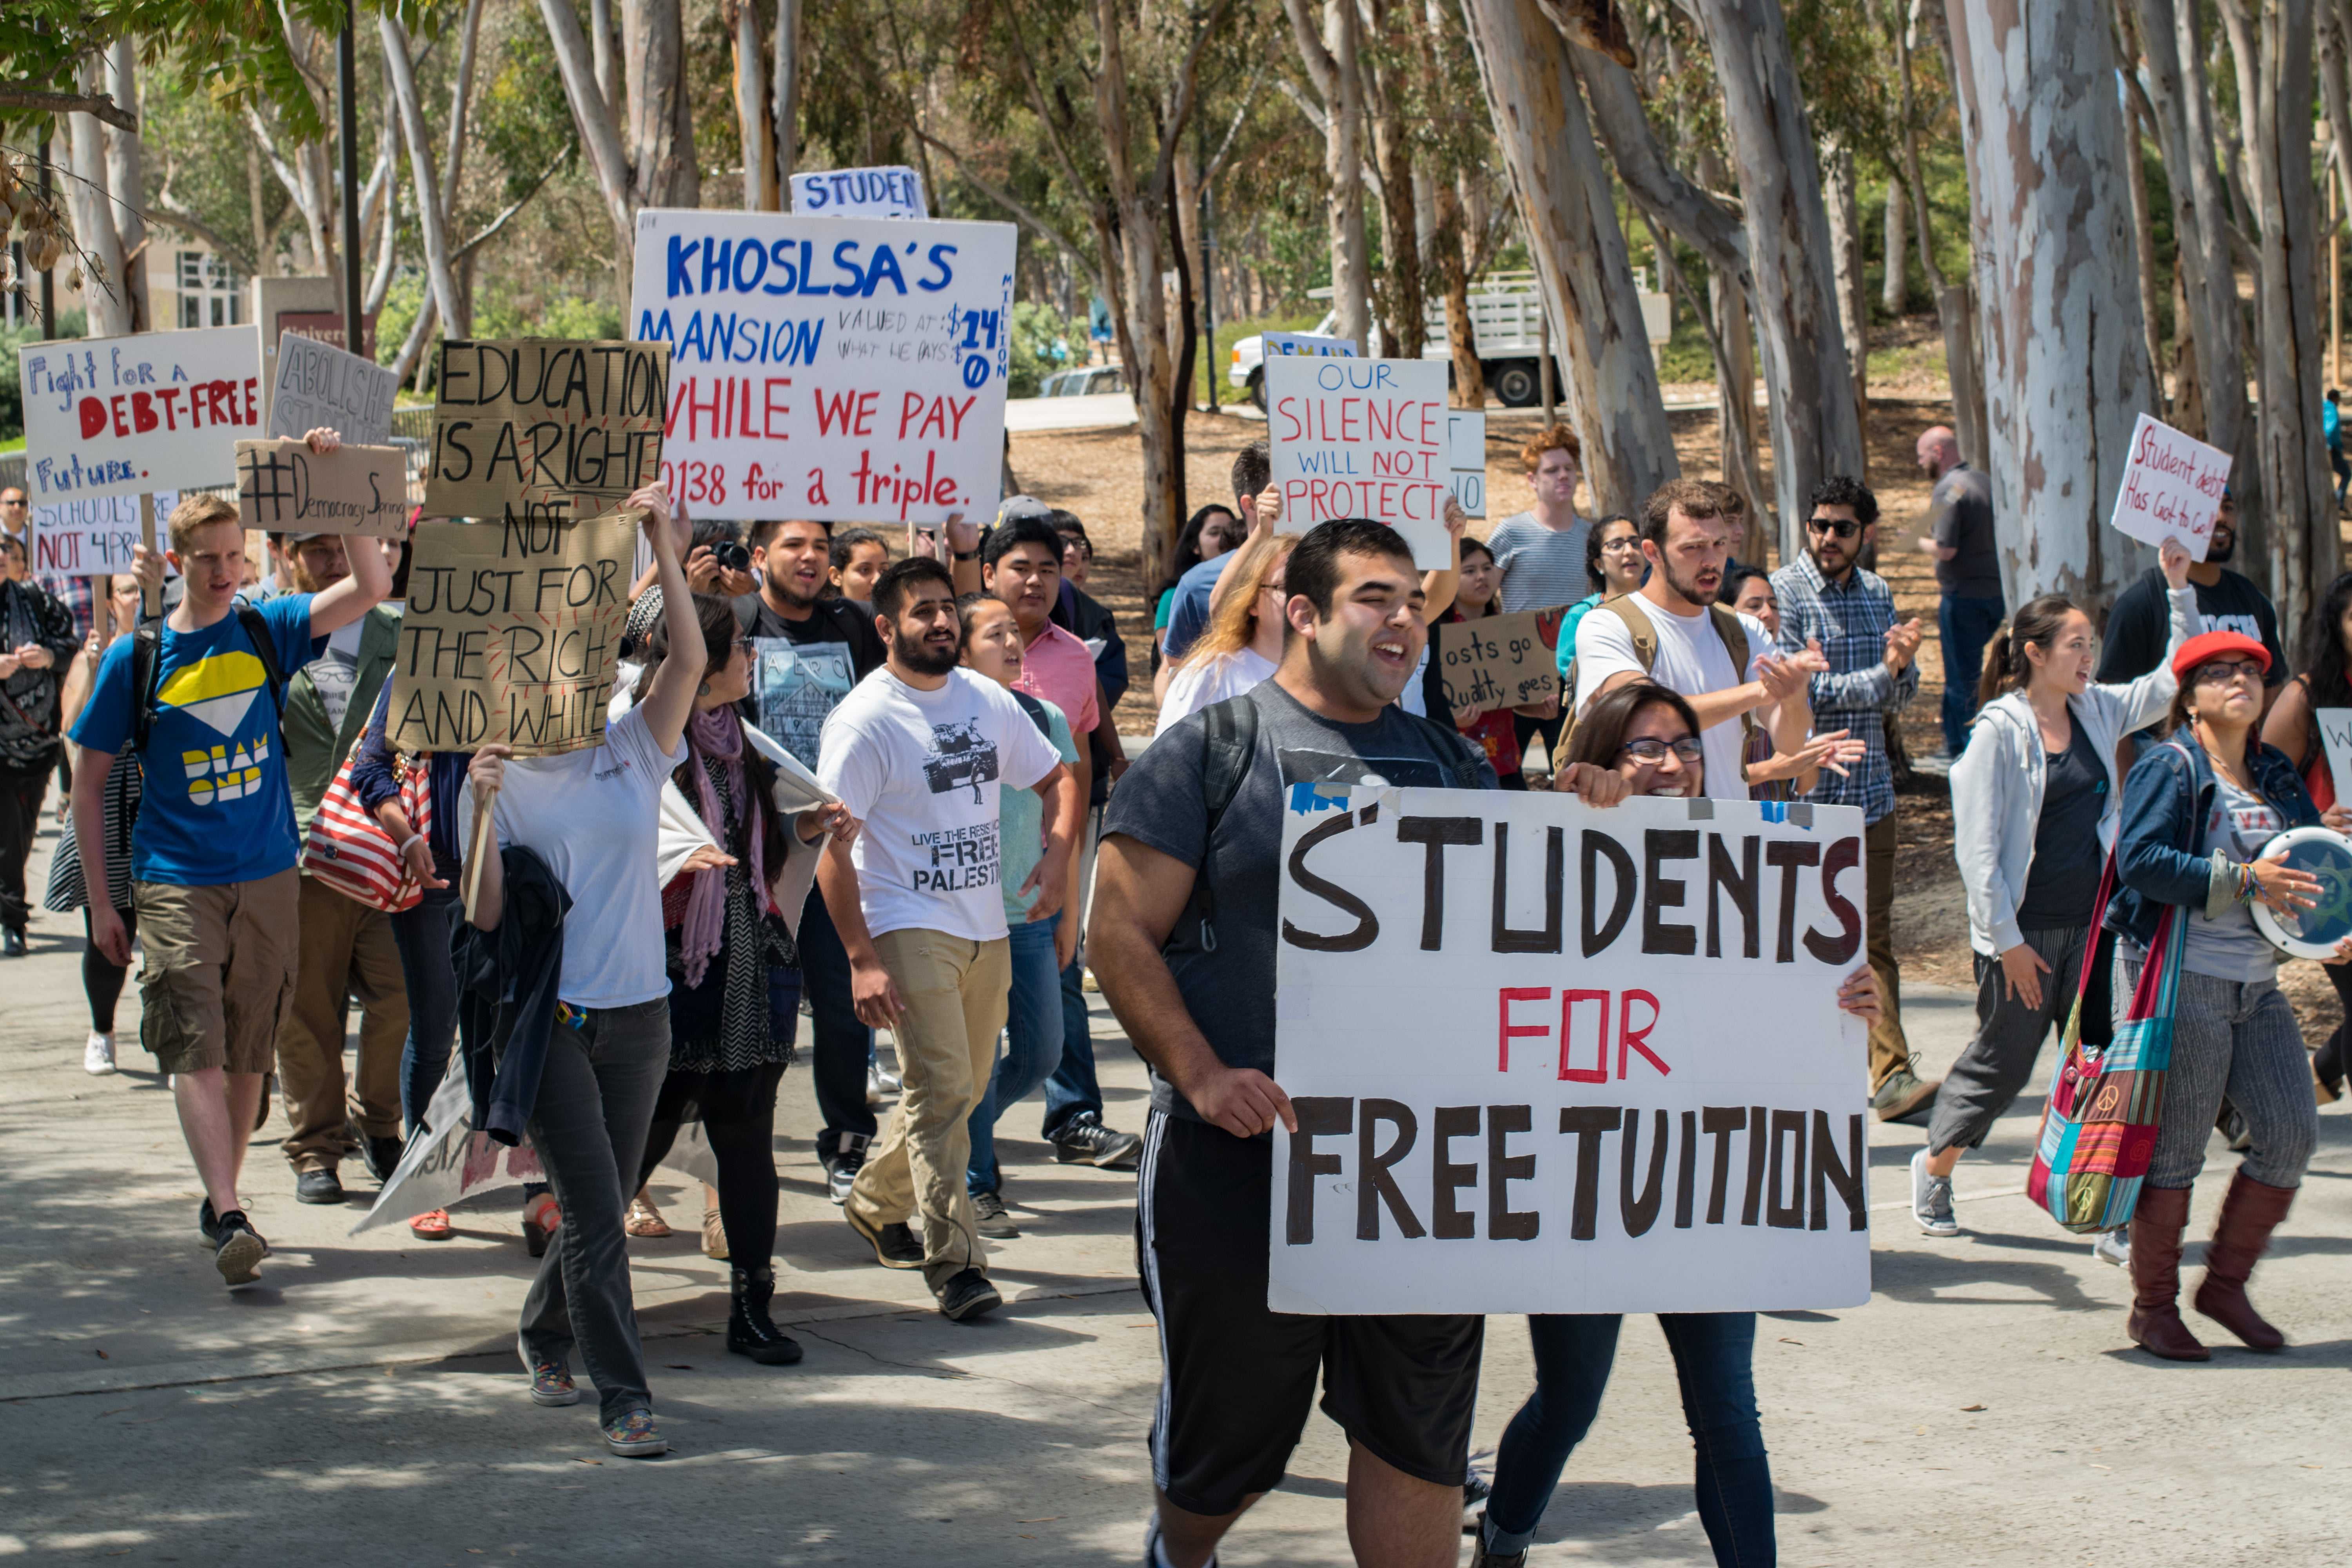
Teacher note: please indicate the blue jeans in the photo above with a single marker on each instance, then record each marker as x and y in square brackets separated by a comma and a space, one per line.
[1965, 627]
[1033, 1045]
[1713, 1355]
[423, 935]
[1073, 1088]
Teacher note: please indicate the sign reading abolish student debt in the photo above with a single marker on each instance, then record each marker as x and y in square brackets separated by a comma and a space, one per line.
[320, 385]
[1363, 437]
[511, 633]
[155, 411]
[850, 368]
[545, 427]
[284, 487]
[1551, 1058]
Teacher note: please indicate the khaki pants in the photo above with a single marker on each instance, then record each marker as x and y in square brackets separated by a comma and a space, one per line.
[956, 992]
[1888, 1049]
[219, 974]
[347, 949]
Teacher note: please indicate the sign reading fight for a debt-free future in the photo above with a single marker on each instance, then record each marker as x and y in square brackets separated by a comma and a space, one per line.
[1546, 1058]
[895, 191]
[2172, 488]
[86, 538]
[284, 487]
[155, 411]
[545, 427]
[510, 634]
[850, 368]
[320, 385]
[1465, 435]
[1498, 662]
[1363, 437]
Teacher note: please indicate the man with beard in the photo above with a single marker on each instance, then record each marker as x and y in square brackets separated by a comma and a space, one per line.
[1829, 602]
[2136, 627]
[918, 754]
[808, 651]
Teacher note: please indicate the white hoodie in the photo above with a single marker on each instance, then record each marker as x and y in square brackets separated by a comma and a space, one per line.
[1998, 781]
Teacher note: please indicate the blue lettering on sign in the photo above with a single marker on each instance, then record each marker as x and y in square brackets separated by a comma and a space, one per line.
[704, 265]
[724, 337]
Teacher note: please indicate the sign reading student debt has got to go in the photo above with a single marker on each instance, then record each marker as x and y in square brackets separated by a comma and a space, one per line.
[848, 368]
[1363, 437]
[2172, 488]
[1546, 1058]
[155, 411]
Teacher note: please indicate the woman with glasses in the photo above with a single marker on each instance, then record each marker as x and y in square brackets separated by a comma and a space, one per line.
[101, 977]
[2197, 811]
[1647, 736]
[1614, 566]
[1243, 642]
[1207, 533]
[2035, 800]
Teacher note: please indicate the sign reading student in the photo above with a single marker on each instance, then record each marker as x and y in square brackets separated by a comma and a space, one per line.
[1551, 1058]
[318, 384]
[155, 411]
[1498, 662]
[545, 428]
[1363, 437]
[847, 368]
[86, 538]
[895, 191]
[512, 634]
[2172, 488]
[282, 486]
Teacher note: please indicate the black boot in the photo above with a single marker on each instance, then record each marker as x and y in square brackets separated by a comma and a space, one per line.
[749, 1331]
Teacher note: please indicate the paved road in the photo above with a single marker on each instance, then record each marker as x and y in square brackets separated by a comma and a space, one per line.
[365, 1407]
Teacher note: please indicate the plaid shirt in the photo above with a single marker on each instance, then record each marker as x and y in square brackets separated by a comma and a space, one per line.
[73, 592]
[1851, 620]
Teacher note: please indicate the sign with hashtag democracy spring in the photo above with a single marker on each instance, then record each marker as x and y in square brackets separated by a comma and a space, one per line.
[283, 487]
[1546, 1058]
[512, 634]
[545, 428]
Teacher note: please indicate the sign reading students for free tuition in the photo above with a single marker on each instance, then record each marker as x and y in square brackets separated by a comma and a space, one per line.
[154, 411]
[1551, 1058]
[1363, 437]
[847, 368]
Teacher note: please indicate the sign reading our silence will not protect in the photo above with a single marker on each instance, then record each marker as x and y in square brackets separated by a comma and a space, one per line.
[1363, 437]
[848, 368]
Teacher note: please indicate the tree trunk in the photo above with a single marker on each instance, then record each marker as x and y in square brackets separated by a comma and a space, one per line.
[1331, 59]
[751, 110]
[105, 297]
[592, 114]
[1844, 203]
[2144, 255]
[1815, 432]
[126, 175]
[606, 56]
[423, 177]
[1955, 303]
[785, 92]
[461, 101]
[2066, 370]
[1894, 287]
[2334, 24]
[1567, 207]
[1450, 246]
[660, 117]
[1400, 291]
[265, 254]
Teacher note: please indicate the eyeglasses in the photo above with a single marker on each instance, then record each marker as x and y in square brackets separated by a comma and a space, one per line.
[1630, 542]
[2216, 672]
[1839, 527]
[1690, 749]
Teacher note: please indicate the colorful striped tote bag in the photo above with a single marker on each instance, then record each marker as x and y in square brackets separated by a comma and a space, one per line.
[2098, 1131]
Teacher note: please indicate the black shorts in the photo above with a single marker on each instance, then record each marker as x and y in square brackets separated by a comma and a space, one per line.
[1236, 1380]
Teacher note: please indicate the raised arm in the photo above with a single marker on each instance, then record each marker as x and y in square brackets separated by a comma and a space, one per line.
[370, 573]
[670, 701]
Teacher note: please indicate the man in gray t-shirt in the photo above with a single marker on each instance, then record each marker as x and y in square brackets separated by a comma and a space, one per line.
[1968, 574]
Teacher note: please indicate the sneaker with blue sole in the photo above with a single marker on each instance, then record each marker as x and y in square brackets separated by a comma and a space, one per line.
[1931, 1199]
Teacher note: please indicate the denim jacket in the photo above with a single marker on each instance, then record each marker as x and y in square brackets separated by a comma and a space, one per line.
[2166, 799]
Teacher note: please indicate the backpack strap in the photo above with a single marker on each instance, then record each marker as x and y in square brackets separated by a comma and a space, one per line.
[1735, 642]
[1036, 711]
[147, 670]
[1626, 608]
[1230, 746]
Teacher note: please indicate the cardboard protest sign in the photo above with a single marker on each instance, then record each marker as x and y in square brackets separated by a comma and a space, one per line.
[86, 538]
[453, 1163]
[318, 383]
[1546, 1058]
[282, 486]
[1363, 437]
[154, 411]
[545, 427]
[1466, 438]
[1309, 345]
[2171, 488]
[1498, 662]
[845, 368]
[896, 191]
[511, 633]
[2335, 735]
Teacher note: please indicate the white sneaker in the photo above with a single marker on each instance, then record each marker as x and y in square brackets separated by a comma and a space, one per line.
[97, 1055]
[1931, 1199]
[2114, 1247]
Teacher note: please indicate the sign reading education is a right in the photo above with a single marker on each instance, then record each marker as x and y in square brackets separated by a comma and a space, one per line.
[546, 428]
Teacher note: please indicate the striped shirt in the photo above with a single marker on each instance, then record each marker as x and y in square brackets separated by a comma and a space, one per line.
[1542, 567]
[1851, 621]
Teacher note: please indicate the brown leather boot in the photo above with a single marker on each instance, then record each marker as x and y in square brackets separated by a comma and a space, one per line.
[2249, 1214]
[2155, 1325]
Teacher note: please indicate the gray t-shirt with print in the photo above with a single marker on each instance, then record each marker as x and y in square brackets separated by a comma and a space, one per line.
[2232, 948]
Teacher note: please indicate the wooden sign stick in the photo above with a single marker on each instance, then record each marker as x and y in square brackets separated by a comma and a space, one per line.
[481, 843]
[151, 600]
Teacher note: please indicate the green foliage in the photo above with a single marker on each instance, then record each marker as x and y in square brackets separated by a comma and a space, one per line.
[1036, 330]
[70, 324]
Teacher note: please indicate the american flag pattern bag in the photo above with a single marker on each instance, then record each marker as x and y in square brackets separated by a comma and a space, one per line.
[350, 851]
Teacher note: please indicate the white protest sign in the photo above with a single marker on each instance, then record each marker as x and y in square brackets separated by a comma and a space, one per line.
[2335, 734]
[1363, 437]
[453, 1164]
[1465, 437]
[1546, 1058]
[845, 368]
[85, 537]
[318, 383]
[2171, 488]
[1307, 345]
[895, 191]
[155, 411]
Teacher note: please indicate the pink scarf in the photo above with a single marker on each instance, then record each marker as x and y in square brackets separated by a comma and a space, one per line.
[717, 735]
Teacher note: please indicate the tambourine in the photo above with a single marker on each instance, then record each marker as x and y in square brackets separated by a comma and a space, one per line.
[2326, 854]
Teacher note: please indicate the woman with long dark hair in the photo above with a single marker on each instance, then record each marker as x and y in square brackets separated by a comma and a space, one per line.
[1207, 533]
[1479, 593]
[2293, 726]
[1613, 565]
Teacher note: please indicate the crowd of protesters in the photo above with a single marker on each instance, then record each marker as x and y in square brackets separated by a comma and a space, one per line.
[877, 782]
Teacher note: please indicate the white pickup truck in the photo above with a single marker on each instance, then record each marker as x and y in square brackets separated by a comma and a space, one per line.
[1505, 313]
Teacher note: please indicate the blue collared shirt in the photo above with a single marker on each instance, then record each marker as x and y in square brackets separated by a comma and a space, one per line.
[1850, 619]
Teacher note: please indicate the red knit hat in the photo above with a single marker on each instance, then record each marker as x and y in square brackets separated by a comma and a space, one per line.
[2215, 644]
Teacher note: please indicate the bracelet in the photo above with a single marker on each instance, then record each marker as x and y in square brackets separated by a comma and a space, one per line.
[2247, 886]
[402, 853]
[965, 555]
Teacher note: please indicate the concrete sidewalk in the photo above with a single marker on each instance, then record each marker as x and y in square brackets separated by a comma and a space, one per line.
[365, 1407]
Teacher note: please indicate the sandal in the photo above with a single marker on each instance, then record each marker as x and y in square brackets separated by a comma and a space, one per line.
[714, 1236]
[645, 1220]
[541, 1220]
[433, 1225]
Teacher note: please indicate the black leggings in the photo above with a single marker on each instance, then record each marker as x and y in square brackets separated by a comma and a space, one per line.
[100, 978]
[738, 1111]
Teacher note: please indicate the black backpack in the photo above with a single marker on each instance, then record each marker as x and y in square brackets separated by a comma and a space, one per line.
[147, 668]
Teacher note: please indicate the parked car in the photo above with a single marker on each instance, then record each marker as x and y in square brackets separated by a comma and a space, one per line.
[1085, 380]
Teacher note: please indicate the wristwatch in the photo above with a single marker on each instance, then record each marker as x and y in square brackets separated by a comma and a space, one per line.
[965, 555]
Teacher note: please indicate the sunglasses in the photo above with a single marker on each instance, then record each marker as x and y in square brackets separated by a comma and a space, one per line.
[1838, 526]
[1649, 750]
[2218, 671]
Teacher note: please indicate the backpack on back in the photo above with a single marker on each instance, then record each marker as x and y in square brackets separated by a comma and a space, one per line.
[147, 670]
[1644, 631]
